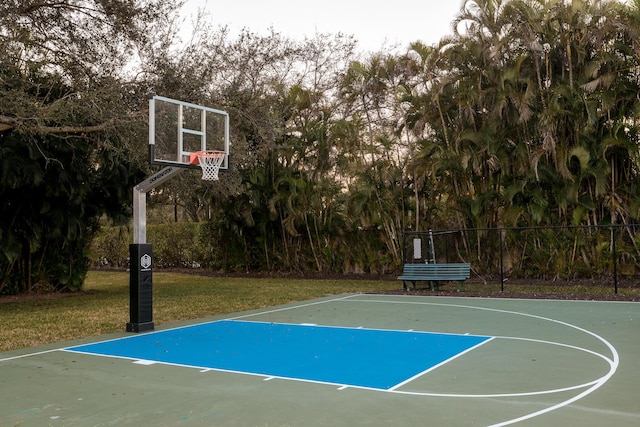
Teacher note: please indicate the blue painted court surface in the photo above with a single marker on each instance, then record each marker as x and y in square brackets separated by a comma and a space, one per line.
[369, 358]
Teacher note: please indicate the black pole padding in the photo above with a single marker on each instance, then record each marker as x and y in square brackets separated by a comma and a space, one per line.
[140, 288]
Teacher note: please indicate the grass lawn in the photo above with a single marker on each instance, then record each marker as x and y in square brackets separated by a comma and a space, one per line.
[103, 307]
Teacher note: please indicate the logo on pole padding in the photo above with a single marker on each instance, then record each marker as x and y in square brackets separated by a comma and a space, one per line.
[145, 261]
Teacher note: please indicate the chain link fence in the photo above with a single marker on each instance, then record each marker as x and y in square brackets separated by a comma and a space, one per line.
[605, 257]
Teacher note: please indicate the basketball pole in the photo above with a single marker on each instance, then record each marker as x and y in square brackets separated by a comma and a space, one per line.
[141, 255]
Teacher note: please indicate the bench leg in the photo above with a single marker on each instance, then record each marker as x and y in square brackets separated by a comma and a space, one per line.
[405, 284]
[433, 284]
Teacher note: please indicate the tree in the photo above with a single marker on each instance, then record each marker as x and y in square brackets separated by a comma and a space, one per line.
[67, 119]
[533, 111]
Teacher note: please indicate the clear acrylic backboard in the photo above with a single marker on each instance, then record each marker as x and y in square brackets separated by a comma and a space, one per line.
[178, 130]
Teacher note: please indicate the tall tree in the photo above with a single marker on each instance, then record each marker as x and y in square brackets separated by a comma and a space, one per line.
[67, 118]
[538, 117]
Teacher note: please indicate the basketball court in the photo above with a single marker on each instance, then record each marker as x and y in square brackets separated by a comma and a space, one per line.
[348, 360]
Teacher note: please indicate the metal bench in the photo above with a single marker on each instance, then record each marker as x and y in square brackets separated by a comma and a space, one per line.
[433, 273]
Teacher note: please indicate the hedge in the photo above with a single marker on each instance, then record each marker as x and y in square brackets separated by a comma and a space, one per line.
[175, 245]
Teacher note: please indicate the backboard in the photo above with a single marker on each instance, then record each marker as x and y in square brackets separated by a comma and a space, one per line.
[178, 129]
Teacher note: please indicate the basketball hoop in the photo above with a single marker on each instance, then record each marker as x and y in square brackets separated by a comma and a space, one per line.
[210, 162]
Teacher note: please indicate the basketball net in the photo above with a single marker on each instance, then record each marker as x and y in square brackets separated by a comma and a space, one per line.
[210, 162]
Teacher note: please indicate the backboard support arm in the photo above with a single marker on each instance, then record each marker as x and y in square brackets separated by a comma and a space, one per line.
[140, 200]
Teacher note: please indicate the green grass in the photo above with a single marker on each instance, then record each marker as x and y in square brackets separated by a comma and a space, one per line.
[103, 307]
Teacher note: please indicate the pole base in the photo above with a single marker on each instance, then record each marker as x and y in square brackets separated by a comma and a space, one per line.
[140, 327]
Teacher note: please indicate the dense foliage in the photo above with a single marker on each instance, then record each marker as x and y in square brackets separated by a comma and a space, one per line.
[67, 118]
[538, 107]
[527, 114]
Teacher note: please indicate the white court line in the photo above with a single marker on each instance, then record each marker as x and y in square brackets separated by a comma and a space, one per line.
[444, 362]
[144, 362]
[576, 301]
[22, 356]
[276, 310]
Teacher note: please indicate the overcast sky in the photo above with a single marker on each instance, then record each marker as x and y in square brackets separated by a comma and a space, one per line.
[374, 23]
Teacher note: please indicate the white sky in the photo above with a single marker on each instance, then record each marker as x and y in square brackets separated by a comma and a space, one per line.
[374, 23]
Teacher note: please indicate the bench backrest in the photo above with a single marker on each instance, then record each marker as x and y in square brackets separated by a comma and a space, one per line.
[462, 268]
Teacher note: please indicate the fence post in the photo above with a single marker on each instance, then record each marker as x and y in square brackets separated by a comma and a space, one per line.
[404, 249]
[500, 231]
[615, 260]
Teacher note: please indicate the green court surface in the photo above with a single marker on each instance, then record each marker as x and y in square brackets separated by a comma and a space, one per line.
[543, 363]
